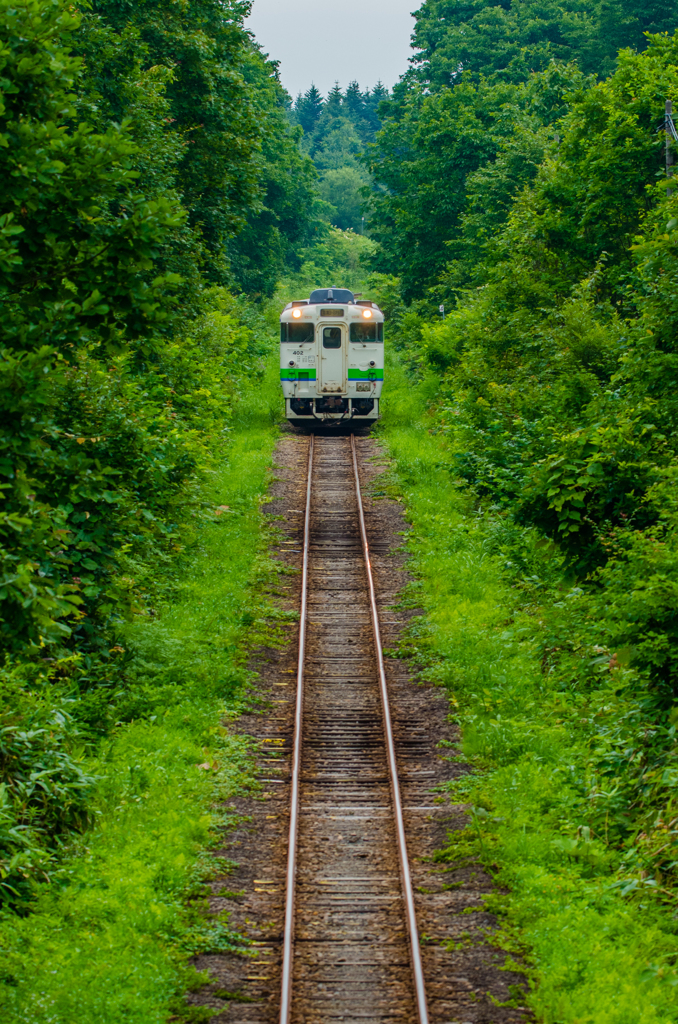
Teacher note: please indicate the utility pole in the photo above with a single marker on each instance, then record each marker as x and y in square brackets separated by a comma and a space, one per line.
[668, 108]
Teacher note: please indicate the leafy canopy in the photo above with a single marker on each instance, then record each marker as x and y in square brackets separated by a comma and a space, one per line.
[484, 94]
[517, 37]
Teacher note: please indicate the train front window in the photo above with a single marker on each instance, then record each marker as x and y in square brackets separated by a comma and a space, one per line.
[296, 333]
[361, 333]
[321, 295]
[332, 337]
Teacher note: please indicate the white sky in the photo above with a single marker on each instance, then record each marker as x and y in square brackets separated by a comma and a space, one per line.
[324, 41]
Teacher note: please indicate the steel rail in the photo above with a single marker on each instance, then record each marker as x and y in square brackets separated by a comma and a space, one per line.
[406, 877]
[288, 938]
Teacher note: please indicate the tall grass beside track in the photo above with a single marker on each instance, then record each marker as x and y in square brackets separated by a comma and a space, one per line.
[107, 941]
[600, 943]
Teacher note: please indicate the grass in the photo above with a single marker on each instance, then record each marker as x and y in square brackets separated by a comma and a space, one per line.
[601, 949]
[107, 942]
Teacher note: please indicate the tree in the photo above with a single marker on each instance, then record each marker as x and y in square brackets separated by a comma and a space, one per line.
[354, 103]
[372, 103]
[562, 360]
[342, 189]
[204, 44]
[308, 109]
[78, 275]
[517, 37]
[336, 136]
[466, 118]
[80, 240]
[422, 162]
[285, 220]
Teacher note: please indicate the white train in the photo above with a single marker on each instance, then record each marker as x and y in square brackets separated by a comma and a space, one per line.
[332, 358]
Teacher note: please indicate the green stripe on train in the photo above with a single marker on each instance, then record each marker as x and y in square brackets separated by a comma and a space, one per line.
[294, 374]
[371, 373]
[291, 373]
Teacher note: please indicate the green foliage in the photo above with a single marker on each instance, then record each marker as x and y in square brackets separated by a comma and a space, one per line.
[308, 108]
[342, 190]
[78, 277]
[517, 37]
[572, 795]
[487, 140]
[339, 257]
[79, 240]
[204, 45]
[468, 127]
[126, 171]
[336, 132]
[224, 136]
[548, 375]
[113, 479]
[108, 939]
[439, 138]
[287, 218]
[45, 792]
[353, 113]
[101, 449]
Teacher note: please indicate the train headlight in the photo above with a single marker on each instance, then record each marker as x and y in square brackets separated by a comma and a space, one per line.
[296, 313]
[292, 362]
[367, 313]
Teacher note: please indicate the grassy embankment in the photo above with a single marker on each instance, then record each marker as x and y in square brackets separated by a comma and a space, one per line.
[601, 950]
[106, 941]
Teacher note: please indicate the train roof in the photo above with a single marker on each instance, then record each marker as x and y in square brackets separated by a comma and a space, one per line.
[333, 297]
[326, 296]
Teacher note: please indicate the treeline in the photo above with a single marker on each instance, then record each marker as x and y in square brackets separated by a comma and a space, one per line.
[523, 187]
[150, 176]
[337, 131]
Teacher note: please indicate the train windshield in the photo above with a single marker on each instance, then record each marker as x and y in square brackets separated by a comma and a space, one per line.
[323, 295]
[296, 333]
[367, 332]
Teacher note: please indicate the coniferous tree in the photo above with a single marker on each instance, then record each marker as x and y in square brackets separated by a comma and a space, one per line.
[372, 101]
[335, 101]
[308, 109]
[354, 102]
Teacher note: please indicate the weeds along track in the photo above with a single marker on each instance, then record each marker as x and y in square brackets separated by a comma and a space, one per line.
[351, 945]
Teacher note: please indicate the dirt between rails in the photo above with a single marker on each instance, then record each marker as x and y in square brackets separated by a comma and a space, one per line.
[465, 975]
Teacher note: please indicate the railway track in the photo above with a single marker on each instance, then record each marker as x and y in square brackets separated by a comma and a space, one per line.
[351, 945]
[351, 958]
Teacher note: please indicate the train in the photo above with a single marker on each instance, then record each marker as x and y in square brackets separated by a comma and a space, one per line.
[332, 358]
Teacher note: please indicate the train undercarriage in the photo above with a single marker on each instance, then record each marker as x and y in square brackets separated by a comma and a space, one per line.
[332, 409]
